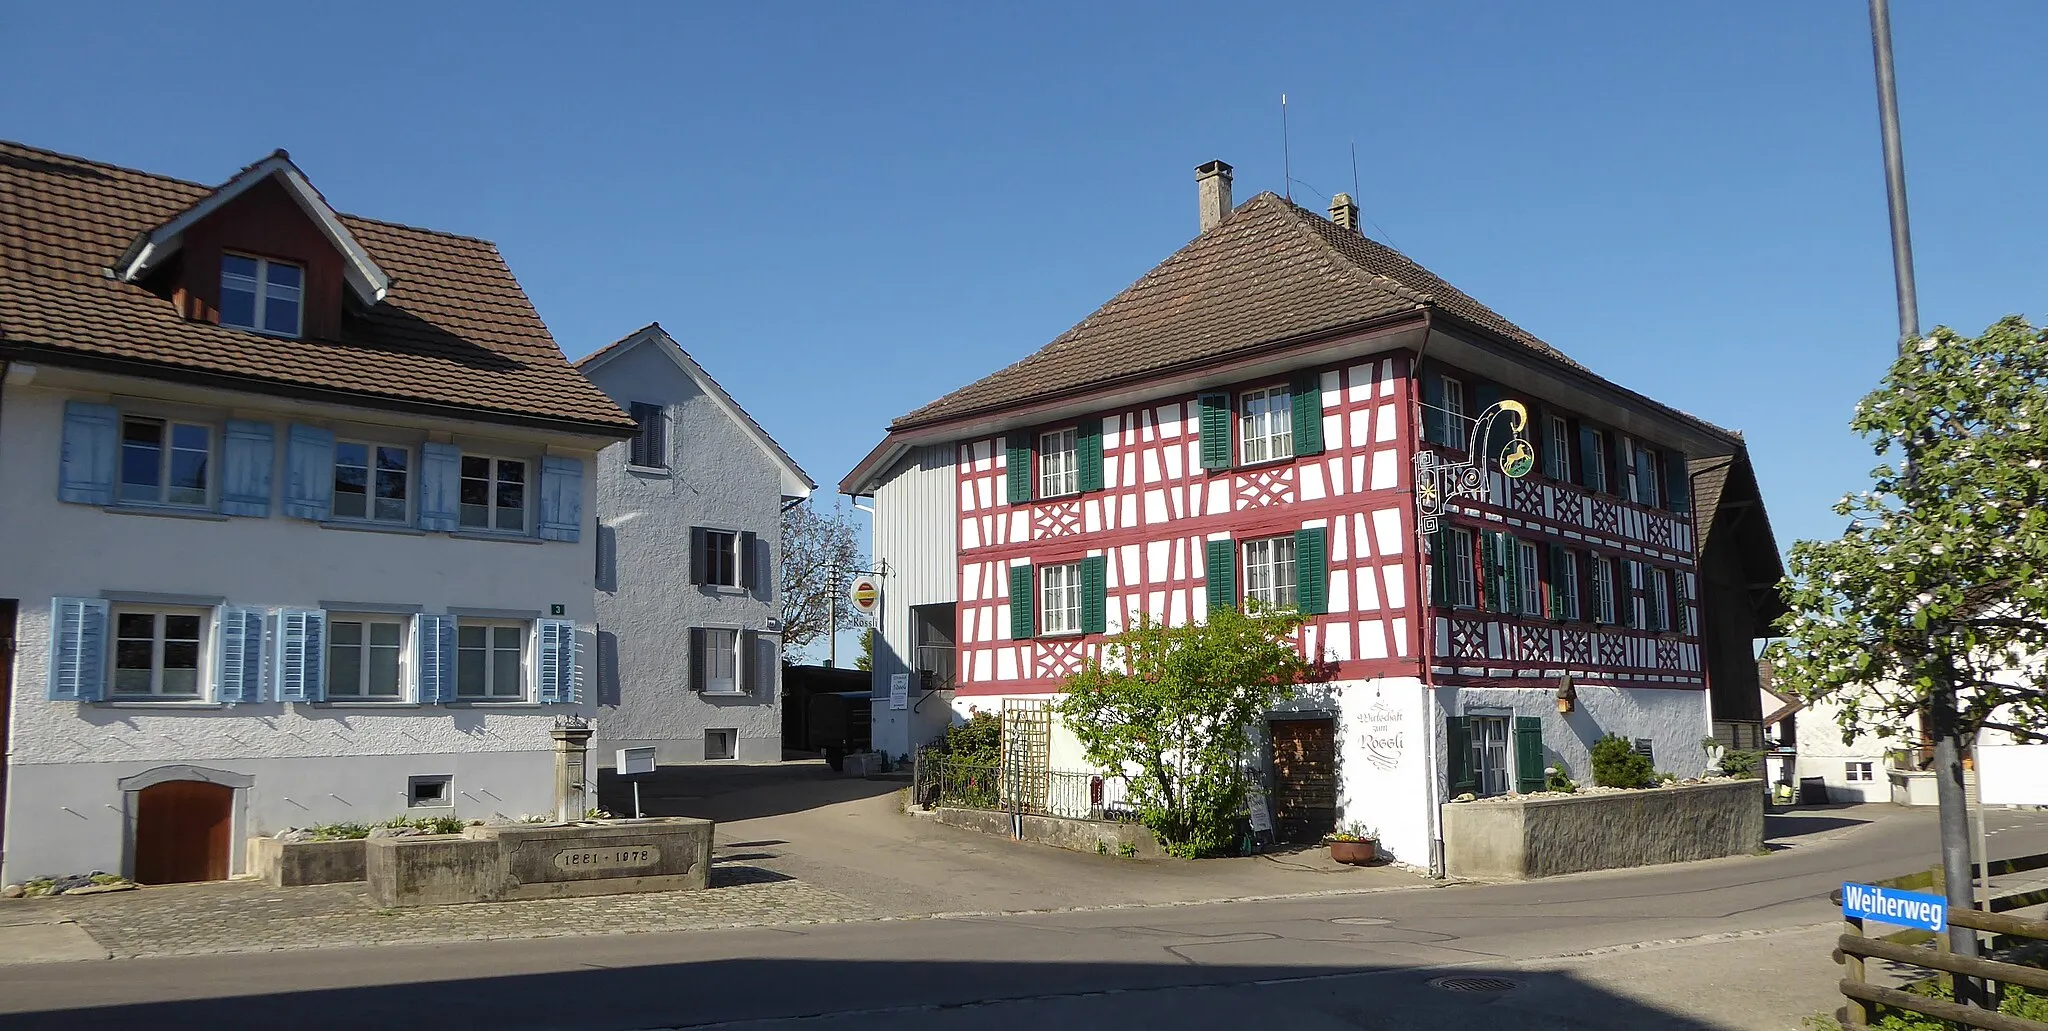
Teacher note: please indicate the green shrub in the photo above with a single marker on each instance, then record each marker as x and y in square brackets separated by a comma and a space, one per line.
[340, 831]
[1557, 778]
[1617, 765]
[978, 741]
[1742, 764]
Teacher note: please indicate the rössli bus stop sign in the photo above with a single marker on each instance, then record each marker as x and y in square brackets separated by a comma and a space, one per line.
[865, 594]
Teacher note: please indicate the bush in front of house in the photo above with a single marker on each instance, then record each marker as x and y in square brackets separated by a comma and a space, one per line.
[1742, 764]
[1616, 764]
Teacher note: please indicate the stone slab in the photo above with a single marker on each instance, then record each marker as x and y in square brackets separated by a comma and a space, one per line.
[526, 861]
[291, 864]
[432, 870]
[1519, 838]
[1079, 835]
[47, 942]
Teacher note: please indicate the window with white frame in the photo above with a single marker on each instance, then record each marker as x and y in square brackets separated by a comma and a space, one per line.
[1492, 756]
[371, 481]
[490, 660]
[1648, 490]
[722, 558]
[721, 666]
[1557, 450]
[1059, 598]
[1269, 572]
[1455, 415]
[260, 294]
[1596, 467]
[1059, 470]
[1657, 599]
[1603, 590]
[1860, 771]
[1457, 569]
[365, 657]
[493, 493]
[157, 651]
[1528, 575]
[165, 462]
[1265, 425]
[1564, 585]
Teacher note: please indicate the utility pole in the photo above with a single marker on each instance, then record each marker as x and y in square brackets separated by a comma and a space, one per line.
[1948, 742]
[832, 635]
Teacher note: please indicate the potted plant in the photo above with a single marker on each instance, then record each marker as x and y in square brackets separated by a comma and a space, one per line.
[1355, 844]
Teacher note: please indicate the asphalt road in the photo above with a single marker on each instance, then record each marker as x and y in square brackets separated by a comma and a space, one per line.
[1729, 944]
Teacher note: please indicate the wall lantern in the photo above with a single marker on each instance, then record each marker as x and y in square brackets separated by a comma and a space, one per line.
[1567, 695]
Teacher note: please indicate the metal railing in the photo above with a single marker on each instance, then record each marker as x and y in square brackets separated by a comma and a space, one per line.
[936, 665]
[1074, 794]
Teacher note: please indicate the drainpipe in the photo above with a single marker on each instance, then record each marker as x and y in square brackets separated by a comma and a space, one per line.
[1432, 796]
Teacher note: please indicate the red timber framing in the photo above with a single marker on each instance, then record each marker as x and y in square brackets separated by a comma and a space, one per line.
[1153, 520]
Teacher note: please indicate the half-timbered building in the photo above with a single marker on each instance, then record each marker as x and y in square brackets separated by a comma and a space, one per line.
[1500, 552]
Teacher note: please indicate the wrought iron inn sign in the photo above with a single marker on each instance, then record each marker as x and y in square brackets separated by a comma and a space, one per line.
[1438, 483]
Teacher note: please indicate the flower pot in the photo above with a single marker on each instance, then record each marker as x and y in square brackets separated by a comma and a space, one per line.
[1355, 853]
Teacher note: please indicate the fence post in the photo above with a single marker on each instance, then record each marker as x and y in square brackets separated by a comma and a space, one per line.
[1856, 1012]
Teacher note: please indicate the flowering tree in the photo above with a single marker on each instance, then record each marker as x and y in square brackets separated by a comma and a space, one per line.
[1934, 602]
[1179, 704]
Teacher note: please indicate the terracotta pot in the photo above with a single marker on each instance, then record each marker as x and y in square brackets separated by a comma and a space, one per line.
[1356, 853]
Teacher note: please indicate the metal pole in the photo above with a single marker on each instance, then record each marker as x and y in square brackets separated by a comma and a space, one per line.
[1948, 744]
[832, 636]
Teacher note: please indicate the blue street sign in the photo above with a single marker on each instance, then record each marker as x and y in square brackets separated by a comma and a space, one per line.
[1895, 907]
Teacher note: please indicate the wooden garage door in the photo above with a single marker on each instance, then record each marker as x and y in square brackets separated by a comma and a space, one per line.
[181, 832]
[1304, 778]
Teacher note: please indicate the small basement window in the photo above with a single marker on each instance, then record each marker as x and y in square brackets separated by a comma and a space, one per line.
[721, 744]
[430, 792]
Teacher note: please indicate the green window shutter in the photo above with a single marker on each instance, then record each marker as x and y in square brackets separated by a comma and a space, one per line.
[1484, 395]
[1592, 464]
[1511, 575]
[1439, 561]
[1088, 455]
[1625, 592]
[1677, 483]
[1222, 570]
[1094, 594]
[1563, 598]
[1311, 572]
[1018, 468]
[1458, 755]
[1022, 622]
[1529, 753]
[1307, 395]
[1496, 556]
[1215, 429]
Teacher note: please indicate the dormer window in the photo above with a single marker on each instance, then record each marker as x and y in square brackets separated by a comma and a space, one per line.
[261, 295]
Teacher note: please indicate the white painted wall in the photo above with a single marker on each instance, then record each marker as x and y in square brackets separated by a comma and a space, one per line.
[1674, 720]
[353, 752]
[717, 477]
[915, 527]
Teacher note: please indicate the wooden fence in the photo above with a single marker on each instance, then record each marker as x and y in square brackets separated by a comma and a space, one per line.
[2010, 935]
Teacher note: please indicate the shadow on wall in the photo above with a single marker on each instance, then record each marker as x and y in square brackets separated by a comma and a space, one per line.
[608, 692]
[730, 793]
[845, 995]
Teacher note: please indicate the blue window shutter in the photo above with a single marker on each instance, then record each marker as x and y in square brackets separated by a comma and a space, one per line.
[78, 649]
[436, 658]
[301, 654]
[561, 498]
[558, 681]
[92, 436]
[309, 472]
[241, 655]
[246, 459]
[440, 474]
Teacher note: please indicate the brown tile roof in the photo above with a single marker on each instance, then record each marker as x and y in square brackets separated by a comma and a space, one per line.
[1270, 272]
[455, 330]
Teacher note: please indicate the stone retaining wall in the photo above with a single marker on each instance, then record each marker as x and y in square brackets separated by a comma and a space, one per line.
[1078, 835]
[1519, 838]
[290, 864]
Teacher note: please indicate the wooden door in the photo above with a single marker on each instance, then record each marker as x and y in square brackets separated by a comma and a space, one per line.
[1304, 778]
[181, 832]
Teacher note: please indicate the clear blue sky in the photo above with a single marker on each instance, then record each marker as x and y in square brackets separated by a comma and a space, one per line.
[845, 210]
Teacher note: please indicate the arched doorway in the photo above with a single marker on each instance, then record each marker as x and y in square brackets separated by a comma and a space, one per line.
[182, 831]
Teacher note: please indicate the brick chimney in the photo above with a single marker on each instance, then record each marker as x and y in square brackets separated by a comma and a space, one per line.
[1344, 211]
[1212, 192]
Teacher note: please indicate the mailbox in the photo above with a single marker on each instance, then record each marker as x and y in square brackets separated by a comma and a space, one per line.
[636, 760]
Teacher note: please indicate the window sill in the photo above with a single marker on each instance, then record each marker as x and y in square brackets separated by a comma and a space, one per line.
[502, 538]
[168, 703]
[352, 703]
[1042, 634]
[1261, 463]
[660, 471]
[725, 589]
[366, 526]
[726, 694]
[490, 703]
[166, 510]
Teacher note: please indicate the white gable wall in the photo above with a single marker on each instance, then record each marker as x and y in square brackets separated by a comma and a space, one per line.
[718, 476]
